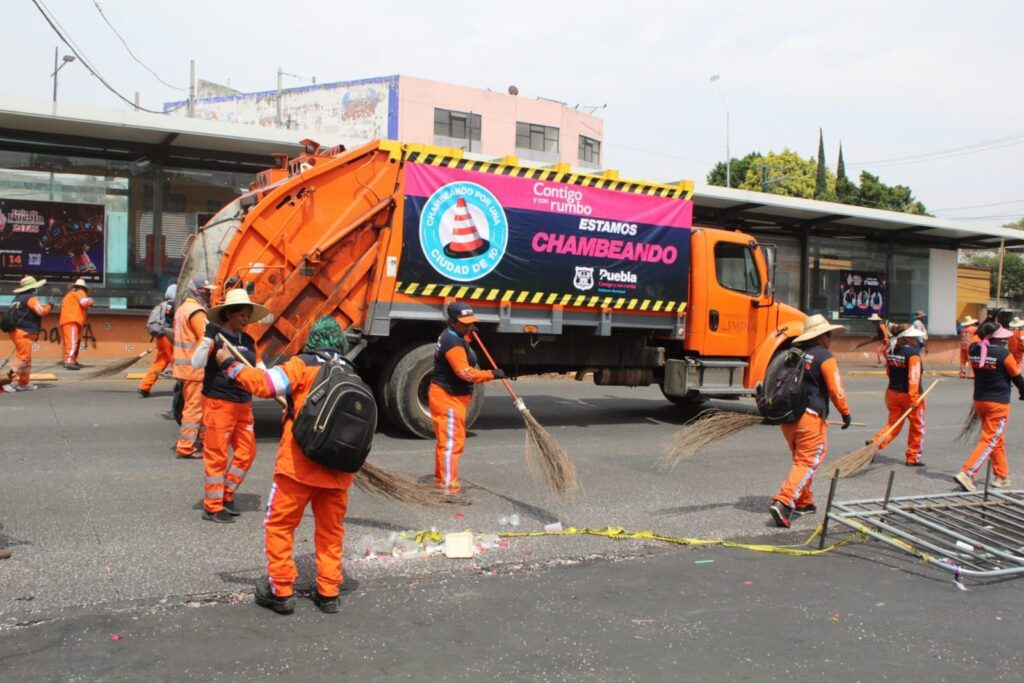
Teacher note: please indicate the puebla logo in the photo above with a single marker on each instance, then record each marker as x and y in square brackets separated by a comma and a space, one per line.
[463, 231]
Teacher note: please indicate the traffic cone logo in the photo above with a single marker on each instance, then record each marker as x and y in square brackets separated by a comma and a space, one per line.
[466, 239]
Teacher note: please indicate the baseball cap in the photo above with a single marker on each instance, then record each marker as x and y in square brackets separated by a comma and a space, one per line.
[461, 312]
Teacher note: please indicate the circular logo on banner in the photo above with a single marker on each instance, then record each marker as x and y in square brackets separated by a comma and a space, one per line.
[463, 231]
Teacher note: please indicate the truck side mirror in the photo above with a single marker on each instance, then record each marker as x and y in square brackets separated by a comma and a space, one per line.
[769, 251]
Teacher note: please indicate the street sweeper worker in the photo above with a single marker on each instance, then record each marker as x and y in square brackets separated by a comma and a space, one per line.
[72, 319]
[451, 390]
[807, 437]
[29, 312]
[968, 329]
[919, 318]
[227, 407]
[905, 369]
[994, 371]
[189, 326]
[882, 337]
[298, 480]
[1016, 343]
[160, 325]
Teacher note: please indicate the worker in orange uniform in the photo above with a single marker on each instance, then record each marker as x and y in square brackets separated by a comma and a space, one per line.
[994, 371]
[298, 481]
[227, 407]
[451, 390]
[189, 326]
[1016, 344]
[160, 326]
[72, 320]
[882, 337]
[905, 370]
[808, 436]
[968, 328]
[28, 322]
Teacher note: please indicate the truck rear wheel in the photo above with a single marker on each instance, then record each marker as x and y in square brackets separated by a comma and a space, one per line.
[405, 382]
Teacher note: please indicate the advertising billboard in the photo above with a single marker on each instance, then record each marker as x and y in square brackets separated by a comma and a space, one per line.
[54, 240]
[861, 294]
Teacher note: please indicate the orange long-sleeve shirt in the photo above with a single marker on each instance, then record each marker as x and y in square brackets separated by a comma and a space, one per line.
[73, 307]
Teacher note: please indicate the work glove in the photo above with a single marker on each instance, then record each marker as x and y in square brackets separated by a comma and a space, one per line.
[498, 373]
[212, 330]
[1020, 397]
[847, 419]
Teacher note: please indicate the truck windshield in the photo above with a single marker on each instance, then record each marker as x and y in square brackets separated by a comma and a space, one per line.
[736, 269]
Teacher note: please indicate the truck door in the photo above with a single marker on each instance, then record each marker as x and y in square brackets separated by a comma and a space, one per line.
[735, 286]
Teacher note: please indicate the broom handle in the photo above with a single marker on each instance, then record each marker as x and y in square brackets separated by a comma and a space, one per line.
[238, 354]
[508, 387]
[908, 410]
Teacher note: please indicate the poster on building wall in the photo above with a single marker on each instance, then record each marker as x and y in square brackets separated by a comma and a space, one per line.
[54, 240]
[499, 237]
[861, 294]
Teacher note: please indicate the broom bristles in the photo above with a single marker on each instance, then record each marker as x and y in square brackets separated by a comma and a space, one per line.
[971, 423]
[378, 481]
[547, 460]
[708, 427]
[853, 462]
[114, 368]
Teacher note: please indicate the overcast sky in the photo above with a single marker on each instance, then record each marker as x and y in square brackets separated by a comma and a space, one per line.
[890, 80]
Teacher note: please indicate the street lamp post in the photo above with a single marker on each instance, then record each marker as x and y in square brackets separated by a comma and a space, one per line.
[728, 156]
[67, 60]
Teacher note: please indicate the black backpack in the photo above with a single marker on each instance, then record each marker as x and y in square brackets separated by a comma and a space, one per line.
[336, 424]
[782, 398]
[11, 317]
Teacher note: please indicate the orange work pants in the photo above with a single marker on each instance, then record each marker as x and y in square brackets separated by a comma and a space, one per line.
[191, 418]
[808, 440]
[71, 333]
[898, 402]
[225, 423]
[449, 415]
[994, 417]
[164, 357]
[285, 505]
[22, 355]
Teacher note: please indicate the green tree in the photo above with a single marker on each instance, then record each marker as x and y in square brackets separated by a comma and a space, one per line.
[1016, 225]
[820, 186]
[876, 194]
[846, 189]
[738, 170]
[786, 173]
[1013, 272]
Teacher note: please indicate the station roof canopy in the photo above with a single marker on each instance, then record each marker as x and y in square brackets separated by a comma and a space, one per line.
[761, 212]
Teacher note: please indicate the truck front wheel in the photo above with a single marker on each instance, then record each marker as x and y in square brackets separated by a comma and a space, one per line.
[404, 387]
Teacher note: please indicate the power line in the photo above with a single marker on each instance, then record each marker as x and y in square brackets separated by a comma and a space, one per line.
[123, 42]
[974, 148]
[982, 206]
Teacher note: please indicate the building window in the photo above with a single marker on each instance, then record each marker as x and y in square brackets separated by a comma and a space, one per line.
[590, 150]
[456, 126]
[536, 137]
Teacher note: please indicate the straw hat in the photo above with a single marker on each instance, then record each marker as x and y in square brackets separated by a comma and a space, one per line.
[875, 317]
[239, 297]
[80, 283]
[28, 282]
[1016, 323]
[968, 320]
[911, 333]
[815, 326]
[920, 314]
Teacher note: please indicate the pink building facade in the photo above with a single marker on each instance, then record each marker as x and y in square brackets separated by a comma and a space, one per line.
[494, 124]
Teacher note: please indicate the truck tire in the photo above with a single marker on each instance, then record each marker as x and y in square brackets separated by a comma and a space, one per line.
[404, 386]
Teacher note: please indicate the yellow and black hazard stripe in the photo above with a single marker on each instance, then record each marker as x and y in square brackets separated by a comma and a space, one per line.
[519, 296]
[560, 173]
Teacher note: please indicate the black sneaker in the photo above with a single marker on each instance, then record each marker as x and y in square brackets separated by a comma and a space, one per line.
[231, 508]
[325, 604]
[72, 366]
[221, 517]
[918, 463]
[143, 394]
[780, 513]
[805, 509]
[265, 598]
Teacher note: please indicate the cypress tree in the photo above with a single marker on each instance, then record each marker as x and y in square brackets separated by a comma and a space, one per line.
[820, 187]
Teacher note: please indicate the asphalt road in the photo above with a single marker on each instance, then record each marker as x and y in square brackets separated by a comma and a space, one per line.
[105, 528]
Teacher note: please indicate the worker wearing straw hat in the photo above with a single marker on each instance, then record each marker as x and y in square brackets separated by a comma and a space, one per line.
[994, 371]
[298, 480]
[919, 318]
[1016, 343]
[227, 407]
[808, 436]
[28, 323]
[882, 336]
[451, 390]
[968, 328]
[905, 369]
[189, 326]
[72, 320]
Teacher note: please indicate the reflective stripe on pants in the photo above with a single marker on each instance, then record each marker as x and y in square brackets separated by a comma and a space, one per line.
[808, 440]
[164, 357]
[448, 413]
[22, 365]
[225, 423]
[991, 444]
[71, 333]
[898, 402]
[191, 418]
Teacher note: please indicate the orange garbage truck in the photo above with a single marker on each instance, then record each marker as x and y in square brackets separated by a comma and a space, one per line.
[568, 272]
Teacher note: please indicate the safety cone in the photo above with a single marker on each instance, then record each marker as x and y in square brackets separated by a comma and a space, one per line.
[466, 240]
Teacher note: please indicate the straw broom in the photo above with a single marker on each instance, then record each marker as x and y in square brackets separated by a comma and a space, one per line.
[708, 427]
[970, 427]
[855, 461]
[375, 480]
[544, 456]
[120, 366]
